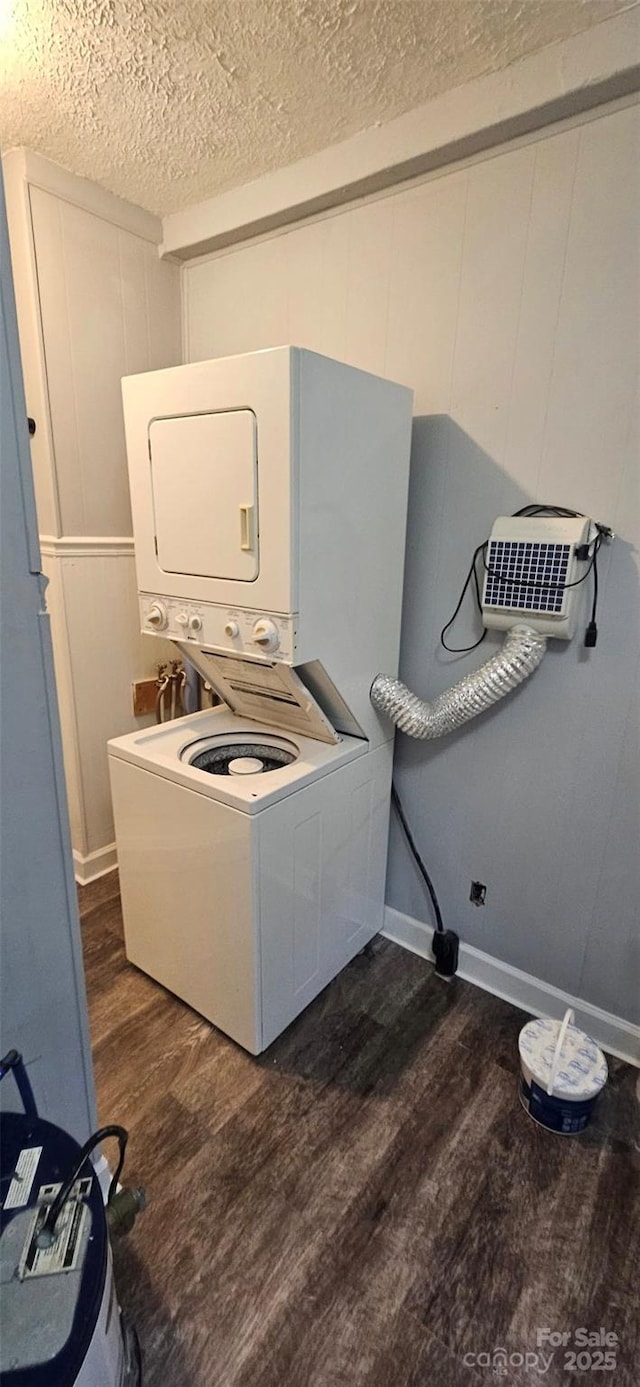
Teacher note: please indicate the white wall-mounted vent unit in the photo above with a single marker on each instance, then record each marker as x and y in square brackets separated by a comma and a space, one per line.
[533, 573]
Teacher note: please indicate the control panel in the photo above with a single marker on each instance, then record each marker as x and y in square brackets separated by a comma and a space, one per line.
[236, 629]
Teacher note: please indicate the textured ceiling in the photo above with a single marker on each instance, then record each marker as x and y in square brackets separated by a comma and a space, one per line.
[166, 103]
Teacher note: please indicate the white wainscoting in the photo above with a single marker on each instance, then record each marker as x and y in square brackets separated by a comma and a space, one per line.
[534, 995]
[98, 652]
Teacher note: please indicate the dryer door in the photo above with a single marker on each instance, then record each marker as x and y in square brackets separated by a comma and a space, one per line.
[204, 478]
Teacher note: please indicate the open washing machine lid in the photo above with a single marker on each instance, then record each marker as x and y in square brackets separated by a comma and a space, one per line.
[264, 691]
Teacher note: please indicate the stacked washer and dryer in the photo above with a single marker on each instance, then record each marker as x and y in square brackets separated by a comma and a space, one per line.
[269, 497]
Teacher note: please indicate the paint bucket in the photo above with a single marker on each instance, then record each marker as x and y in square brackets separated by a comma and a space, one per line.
[563, 1071]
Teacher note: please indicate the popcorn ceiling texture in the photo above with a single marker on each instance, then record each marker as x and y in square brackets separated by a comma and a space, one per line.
[167, 103]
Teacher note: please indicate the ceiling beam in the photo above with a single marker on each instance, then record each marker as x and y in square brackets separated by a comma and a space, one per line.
[566, 79]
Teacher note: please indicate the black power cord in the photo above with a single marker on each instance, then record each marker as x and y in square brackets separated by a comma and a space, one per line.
[446, 943]
[46, 1233]
[397, 804]
[582, 552]
[591, 633]
[473, 573]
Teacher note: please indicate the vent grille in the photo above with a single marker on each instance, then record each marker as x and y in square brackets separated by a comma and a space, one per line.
[526, 576]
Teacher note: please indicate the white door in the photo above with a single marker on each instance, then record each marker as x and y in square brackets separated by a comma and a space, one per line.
[204, 475]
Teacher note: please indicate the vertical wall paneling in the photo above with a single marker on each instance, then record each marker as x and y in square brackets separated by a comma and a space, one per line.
[54, 600]
[57, 365]
[102, 295]
[369, 269]
[505, 293]
[31, 346]
[316, 267]
[105, 306]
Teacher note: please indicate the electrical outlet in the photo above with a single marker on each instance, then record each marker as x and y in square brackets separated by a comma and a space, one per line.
[478, 893]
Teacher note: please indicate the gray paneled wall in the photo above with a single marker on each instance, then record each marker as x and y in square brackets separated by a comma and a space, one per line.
[506, 294]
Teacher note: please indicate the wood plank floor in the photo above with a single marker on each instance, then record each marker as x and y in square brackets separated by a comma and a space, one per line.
[365, 1205]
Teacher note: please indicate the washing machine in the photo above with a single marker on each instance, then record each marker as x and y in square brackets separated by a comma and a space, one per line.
[252, 863]
[269, 499]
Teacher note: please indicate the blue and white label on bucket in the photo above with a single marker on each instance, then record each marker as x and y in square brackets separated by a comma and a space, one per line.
[582, 1071]
[556, 1114]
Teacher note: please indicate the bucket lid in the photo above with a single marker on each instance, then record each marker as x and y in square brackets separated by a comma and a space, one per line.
[582, 1071]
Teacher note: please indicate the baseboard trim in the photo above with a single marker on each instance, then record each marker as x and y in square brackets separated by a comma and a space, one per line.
[613, 1033]
[89, 866]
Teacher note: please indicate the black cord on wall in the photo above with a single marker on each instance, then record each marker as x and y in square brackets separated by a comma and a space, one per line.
[445, 943]
[397, 804]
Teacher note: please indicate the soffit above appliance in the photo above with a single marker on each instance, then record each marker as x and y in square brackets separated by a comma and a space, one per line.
[297, 80]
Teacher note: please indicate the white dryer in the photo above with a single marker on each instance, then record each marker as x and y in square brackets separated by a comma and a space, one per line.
[269, 497]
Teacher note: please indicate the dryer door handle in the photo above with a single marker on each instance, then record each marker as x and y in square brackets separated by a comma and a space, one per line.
[246, 528]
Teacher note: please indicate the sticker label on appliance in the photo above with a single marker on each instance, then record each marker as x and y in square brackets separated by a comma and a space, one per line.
[81, 1190]
[64, 1253]
[23, 1177]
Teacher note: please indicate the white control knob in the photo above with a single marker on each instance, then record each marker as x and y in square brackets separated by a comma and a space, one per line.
[265, 634]
[195, 622]
[182, 619]
[232, 629]
[157, 616]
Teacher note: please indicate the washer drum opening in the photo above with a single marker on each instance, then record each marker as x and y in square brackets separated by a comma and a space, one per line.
[215, 760]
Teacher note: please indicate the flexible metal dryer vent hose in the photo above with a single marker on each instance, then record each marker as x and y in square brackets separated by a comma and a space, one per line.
[521, 653]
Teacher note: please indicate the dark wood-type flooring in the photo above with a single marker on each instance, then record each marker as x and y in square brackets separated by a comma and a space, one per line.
[367, 1202]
